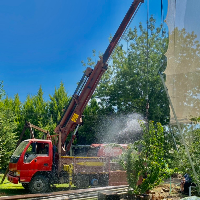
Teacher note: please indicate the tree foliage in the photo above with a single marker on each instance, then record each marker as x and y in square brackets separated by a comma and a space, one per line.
[58, 103]
[7, 130]
[191, 134]
[87, 132]
[129, 81]
[147, 159]
[122, 90]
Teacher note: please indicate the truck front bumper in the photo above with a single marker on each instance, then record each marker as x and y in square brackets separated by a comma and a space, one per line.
[13, 179]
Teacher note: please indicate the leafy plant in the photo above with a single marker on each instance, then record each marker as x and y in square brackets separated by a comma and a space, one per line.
[148, 166]
[127, 82]
[7, 132]
[191, 134]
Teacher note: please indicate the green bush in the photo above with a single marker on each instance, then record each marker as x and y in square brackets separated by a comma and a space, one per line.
[147, 159]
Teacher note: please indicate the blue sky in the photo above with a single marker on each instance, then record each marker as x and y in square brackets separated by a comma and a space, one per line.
[42, 42]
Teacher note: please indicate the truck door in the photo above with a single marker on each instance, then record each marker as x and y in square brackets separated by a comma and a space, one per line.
[38, 157]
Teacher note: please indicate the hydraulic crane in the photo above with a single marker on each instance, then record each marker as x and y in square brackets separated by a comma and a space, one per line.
[89, 81]
[36, 163]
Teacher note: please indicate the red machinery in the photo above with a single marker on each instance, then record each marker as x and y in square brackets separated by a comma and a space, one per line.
[36, 164]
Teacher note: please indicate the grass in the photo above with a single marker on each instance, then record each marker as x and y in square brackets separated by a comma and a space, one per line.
[9, 189]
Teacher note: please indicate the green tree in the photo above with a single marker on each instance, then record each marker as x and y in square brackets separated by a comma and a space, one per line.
[191, 134]
[2, 92]
[17, 107]
[35, 111]
[87, 132]
[128, 81]
[41, 108]
[58, 103]
[148, 159]
[7, 130]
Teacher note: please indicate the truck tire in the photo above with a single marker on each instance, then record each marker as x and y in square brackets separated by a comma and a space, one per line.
[25, 186]
[103, 180]
[39, 184]
[82, 181]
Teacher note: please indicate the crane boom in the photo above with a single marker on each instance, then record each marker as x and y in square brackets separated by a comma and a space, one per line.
[89, 81]
[41, 155]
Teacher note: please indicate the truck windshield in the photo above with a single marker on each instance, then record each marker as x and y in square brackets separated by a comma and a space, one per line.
[18, 151]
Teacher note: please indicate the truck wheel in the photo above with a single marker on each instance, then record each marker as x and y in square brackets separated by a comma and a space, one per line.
[82, 181]
[39, 184]
[103, 180]
[94, 182]
[25, 186]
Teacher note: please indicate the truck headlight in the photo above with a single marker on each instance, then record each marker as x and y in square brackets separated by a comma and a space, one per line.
[17, 173]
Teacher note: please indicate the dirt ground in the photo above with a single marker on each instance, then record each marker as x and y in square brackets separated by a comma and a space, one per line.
[163, 190]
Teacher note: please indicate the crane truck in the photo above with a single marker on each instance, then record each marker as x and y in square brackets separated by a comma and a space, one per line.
[37, 163]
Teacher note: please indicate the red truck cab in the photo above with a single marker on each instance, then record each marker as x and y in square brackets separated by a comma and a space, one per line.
[32, 158]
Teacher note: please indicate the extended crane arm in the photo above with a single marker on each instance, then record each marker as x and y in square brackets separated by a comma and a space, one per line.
[89, 81]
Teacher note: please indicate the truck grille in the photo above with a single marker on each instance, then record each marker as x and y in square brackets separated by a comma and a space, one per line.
[11, 173]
